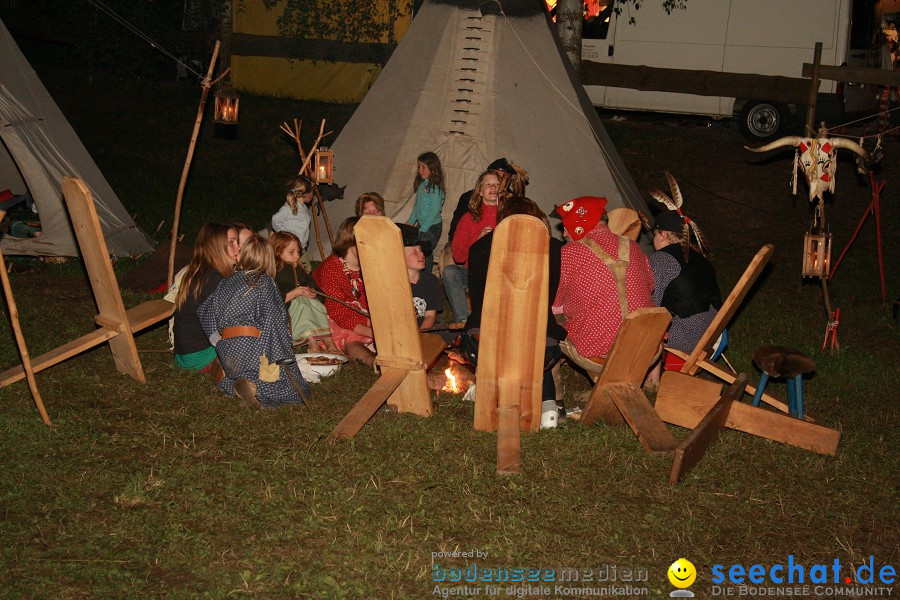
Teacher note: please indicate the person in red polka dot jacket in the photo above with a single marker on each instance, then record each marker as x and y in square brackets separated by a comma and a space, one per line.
[603, 278]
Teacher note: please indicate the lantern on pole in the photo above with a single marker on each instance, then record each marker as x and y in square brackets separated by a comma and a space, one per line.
[226, 108]
[816, 254]
[324, 165]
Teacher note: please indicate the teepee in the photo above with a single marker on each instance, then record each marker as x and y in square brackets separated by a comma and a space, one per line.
[39, 148]
[473, 81]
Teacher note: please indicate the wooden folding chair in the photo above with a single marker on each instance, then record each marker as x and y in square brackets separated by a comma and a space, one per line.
[117, 325]
[513, 336]
[404, 354]
[700, 357]
[685, 401]
[617, 394]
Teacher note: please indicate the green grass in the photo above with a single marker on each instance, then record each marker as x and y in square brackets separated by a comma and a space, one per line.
[170, 489]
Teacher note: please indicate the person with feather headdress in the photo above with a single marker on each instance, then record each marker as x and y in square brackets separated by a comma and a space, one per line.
[684, 280]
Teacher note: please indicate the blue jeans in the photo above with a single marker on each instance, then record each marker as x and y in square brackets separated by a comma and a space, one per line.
[552, 355]
[431, 235]
[456, 280]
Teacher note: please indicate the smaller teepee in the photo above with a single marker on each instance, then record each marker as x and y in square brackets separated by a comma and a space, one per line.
[39, 148]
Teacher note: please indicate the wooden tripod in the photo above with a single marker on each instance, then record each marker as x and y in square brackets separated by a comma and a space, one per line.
[308, 169]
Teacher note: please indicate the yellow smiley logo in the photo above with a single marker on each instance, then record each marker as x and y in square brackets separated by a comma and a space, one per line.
[682, 573]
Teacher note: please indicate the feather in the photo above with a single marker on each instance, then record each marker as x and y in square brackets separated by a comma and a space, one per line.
[686, 241]
[663, 199]
[702, 244]
[677, 198]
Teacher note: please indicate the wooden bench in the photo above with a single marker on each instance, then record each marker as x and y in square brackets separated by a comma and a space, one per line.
[404, 354]
[117, 326]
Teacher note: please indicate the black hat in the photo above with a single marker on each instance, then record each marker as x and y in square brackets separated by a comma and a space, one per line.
[501, 164]
[669, 220]
[411, 238]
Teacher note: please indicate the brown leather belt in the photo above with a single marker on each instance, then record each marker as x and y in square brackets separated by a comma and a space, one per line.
[240, 331]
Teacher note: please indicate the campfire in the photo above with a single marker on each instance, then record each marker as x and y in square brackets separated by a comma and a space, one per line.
[450, 377]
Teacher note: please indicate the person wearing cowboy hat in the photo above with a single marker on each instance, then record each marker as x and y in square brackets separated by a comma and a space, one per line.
[684, 281]
[603, 278]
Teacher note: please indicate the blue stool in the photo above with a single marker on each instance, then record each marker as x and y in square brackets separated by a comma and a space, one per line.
[779, 361]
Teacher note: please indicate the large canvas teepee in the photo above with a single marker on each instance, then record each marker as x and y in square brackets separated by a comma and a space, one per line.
[475, 85]
[39, 148]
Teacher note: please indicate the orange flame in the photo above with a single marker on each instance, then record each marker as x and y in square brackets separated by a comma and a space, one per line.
[452, 384]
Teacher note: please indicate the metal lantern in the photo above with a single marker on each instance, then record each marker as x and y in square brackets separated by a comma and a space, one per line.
[816, 254]
[227, 100]
[324, 165]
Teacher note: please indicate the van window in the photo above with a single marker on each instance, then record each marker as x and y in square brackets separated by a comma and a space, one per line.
[596, 19]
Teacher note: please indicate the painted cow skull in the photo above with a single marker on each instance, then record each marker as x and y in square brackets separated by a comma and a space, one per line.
[817, 157]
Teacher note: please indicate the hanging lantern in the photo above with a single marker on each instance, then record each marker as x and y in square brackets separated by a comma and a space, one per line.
[226, 110]
[816, 254]
[324, 165]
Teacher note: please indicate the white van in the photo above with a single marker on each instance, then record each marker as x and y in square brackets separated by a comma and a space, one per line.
[766, 37]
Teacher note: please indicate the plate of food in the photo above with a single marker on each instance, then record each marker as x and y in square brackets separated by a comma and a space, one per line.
[323, 364]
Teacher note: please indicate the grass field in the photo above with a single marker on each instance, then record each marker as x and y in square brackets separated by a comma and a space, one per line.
[169, 489]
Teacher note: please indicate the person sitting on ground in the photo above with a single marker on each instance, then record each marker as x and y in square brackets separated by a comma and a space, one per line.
[215, 253]
[244, 232]
[370, 203]
[685, 281]
[603, 278]
[245, 319]
[339, 277]
[307, 315]
[478, 222]
[294, 214]
[512, 183]
[428, 300]
[479, 259]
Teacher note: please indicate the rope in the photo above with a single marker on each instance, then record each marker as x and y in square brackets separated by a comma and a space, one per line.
[122, 21]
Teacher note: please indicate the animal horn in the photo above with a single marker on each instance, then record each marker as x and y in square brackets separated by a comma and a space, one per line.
[850, 145]
[791, 140]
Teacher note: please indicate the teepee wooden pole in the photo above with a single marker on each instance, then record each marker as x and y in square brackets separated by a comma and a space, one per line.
[20, 338]
[187, 166]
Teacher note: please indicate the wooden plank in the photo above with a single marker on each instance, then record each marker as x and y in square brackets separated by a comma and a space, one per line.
[683, 400]
[640, 416]
[363, 410]
[509, 451]
[624, 221]
[432, 346]
[100, 273]
[864, 75]
[714, 369]
[147, 314]
[703, 349]
[514, 321]
[791, 90]
[694, 446]
[59, 354]
[637, 343]
[391, 309]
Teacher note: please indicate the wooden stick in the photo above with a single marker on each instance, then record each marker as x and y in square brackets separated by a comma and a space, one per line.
[20, 338]
[339, 301]
[445, 327]
[187, 167]
[324, 216]
[314, 146]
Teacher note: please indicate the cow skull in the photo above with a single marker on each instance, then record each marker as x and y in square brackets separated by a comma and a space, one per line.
[817, 158]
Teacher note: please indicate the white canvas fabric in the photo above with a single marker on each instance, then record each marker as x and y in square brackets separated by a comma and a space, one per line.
[39, 148]
[473, 88]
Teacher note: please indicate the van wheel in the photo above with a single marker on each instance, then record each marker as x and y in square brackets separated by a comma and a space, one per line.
[763, 121]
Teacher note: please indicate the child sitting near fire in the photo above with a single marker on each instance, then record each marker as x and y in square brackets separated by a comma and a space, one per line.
[306, 315]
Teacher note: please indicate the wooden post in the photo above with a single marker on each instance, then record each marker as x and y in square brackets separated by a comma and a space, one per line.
[813, 90]
[20, 338]
[187, 166]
